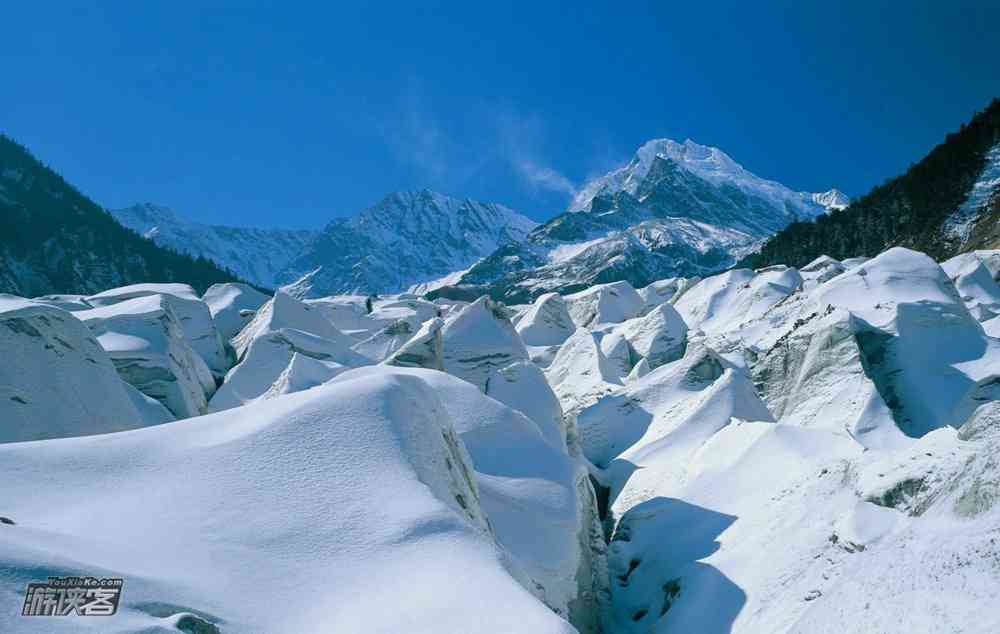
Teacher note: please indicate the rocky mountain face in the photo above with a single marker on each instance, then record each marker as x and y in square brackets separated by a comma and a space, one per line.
[255, 255]
[946, 204]
[676, 209]
[406, 239]
[53, 239]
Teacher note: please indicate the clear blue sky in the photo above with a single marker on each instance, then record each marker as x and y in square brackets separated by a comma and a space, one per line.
[289, 115]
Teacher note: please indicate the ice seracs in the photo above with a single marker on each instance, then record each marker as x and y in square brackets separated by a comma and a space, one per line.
[232, 306]
[149, 348]
[425, 349]
[479, 340]
[546, 323]
[195, 318]
[665, 291]
[815, 376]
[658, 337]
[288, 345]
[537, 498]
[580, 373]
[284, 311]
[756, 447]
[281, 492]
[604, 303]
[56, 381]
[724, 302]
[976, 285]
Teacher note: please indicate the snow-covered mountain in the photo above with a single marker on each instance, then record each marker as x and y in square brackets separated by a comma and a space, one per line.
[407, 238]
[255, 255]
[832, 200]
[674, 209]
[642, 176]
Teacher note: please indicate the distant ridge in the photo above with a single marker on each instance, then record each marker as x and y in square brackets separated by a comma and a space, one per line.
[53, 239]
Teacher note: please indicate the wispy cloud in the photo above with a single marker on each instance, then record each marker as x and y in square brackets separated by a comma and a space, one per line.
[544, 177]
[417, 136]
[473, 143]
[520, 139]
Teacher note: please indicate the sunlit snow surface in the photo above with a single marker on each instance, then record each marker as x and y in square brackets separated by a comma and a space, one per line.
[781, 450]
[961, 221]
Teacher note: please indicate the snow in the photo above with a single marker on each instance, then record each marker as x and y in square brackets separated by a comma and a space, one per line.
[777, 450]
[288, 346]
[528, 487]
[425, 349]
[284, 311]
[710, 164]
[245, 498]
[547, 322]
[874, 289]
[658, 337]
[255, 255]
[406, 240]
[151, 411]
[195, 318]
[232, 306]
[274, 359]
[580, 373]
[149, 348]
[961, 222]
[346, 312]
[479, 340]
[832, 200]
[816, 377]
[975, 284]
[65, 302]
[58, 382]
[115, 295]
[724, 302]
[604, 303]
[522, 387]
[385, 342]
[666, 291]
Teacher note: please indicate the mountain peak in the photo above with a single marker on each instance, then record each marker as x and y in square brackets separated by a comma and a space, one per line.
[833, 199]
[707, 163]
[407, 238]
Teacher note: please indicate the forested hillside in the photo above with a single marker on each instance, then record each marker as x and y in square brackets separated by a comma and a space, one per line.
[915, 210]
[53, 239]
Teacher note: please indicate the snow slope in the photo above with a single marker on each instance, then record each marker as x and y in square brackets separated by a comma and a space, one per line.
[359, 491]
[57, 380]
[961, 221]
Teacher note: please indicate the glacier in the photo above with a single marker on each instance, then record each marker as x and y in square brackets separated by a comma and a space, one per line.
[775, 450]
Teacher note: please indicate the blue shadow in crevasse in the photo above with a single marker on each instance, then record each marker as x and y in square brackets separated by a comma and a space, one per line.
[662, 540]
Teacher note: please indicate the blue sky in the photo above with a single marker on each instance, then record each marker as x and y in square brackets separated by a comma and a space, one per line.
[289, 115]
